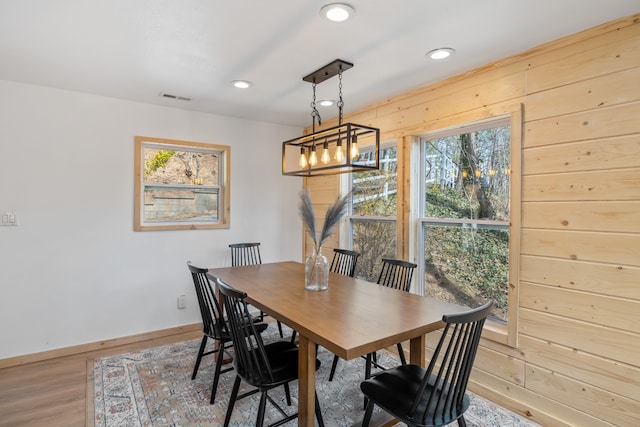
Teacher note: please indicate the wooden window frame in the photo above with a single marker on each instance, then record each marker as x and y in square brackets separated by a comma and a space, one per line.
[504, 333]
[223, 186]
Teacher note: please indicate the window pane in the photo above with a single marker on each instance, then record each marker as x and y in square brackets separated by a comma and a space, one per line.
[467, 175]
[166, 166]
[374, 240]
[162, 204]
[467, 265]
[375, 192]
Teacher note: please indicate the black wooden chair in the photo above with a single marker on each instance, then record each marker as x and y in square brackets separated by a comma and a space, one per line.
[344, 262]
[434, 396]
[262, 366]
[245, 254]
[213, 325]
[248, 254]
[396, 274]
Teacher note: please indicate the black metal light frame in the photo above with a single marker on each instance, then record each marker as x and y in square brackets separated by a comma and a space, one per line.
[344, 135]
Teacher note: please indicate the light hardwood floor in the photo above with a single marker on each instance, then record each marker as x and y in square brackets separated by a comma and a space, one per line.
[53, 392]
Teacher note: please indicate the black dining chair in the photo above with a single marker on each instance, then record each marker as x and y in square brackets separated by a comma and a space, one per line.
[434, 396]
[245, 254]
[213, 325]
[396, 274]
[264, 367]
[248, 254]
[344, 262]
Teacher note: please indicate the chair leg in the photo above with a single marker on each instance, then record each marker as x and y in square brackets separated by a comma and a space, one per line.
[462, 422]
[367, 374]
[261, 409]
[216, 374]
[203, 344]
[287, 393]
[334, 365]
[293, 337]
[280, 329]
[367, 414]
[319, 413]
[403, 359]
[232, 400]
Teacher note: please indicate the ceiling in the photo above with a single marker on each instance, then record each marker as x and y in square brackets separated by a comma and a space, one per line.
[138, 49]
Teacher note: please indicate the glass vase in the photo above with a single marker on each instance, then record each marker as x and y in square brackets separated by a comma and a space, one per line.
[316, 272]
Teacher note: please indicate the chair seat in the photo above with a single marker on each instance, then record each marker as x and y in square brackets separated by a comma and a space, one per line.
[395, 389]
[283, 360]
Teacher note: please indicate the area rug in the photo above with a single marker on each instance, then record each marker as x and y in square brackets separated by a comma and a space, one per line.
[154, 388]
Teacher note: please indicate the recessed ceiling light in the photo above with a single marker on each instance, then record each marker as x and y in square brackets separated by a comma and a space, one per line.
[440, 53]
[337, 12]
[326, 102]
[242, 84]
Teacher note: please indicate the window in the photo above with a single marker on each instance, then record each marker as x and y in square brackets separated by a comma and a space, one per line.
[180, 185]
[374, 211]
[467, 200]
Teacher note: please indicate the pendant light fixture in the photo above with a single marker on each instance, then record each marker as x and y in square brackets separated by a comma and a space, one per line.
[345, 148]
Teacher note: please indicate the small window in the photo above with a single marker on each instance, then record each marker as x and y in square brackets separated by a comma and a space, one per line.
[180, 185]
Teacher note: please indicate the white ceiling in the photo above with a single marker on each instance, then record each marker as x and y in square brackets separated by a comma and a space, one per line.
[136, 49]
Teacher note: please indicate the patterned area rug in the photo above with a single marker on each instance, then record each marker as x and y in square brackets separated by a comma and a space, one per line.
[154, 388]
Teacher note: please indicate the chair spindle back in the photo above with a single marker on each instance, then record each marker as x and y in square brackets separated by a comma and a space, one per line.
[245, 254]
[396, 274]
[451, 365]
[344, 262]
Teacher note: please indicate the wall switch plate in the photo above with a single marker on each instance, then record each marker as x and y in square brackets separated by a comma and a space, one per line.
[182, 301]
[8, 218]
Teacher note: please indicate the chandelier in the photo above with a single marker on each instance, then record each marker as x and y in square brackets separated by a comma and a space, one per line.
[344, 148]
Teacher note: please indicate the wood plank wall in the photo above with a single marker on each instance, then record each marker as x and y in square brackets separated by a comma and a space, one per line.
[577, 361]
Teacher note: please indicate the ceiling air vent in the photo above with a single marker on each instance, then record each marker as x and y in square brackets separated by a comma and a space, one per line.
[179, 98]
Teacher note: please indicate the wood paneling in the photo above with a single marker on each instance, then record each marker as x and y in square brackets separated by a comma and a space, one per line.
[607, 279]
[622, 217]
[576, 363]
[592, 155]
[583, 246]
[601, 123]
[607, 311]
[606, 342]
[598, 371]
[607, 90]
[620, 410]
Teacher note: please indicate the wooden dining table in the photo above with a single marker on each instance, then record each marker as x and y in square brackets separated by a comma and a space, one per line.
[352, 318]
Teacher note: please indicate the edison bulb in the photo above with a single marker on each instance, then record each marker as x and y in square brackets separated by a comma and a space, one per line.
[303, 159]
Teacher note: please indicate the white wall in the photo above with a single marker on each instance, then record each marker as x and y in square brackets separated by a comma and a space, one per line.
[74, 271]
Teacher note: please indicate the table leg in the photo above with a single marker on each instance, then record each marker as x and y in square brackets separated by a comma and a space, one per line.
[417, 350]
[306, 381]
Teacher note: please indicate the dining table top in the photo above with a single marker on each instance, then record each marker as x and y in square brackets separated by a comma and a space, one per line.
[351, 318]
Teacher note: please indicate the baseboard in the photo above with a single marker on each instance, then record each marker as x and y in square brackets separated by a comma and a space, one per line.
[98, 345]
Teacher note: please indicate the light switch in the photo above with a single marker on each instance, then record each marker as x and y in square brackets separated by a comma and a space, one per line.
[8, 218]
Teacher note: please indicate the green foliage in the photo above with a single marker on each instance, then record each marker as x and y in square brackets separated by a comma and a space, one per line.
[159, 160]
[465, 265]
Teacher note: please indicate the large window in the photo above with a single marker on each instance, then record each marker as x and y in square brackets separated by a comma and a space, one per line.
[374, 211]
[464, 225]
[180, 185]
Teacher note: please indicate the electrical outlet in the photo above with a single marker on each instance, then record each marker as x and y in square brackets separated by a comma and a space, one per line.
[182, 301]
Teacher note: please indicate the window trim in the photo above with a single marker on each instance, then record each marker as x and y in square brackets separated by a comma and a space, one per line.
[504, 333]
[223, 187]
